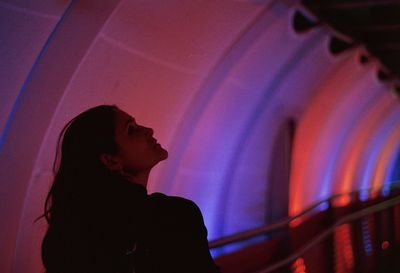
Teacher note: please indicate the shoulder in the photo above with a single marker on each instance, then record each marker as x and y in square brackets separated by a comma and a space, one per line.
[174, 203]
[175, 208]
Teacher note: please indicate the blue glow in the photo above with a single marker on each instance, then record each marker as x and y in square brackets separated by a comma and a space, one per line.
[323, 206]
[342, 137]
[376, 147]
[257, 111]
[366, 237]
[326, 180]
[364, 194]
[386, 190]
[29, 77]
[394, 169]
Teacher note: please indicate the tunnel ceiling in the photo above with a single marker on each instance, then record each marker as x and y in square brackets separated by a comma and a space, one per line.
[374, 23]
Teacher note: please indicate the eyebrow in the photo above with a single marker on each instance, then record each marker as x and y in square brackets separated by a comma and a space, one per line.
[129, 121]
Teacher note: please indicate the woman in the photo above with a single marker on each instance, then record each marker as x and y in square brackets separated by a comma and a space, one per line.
[101, 219]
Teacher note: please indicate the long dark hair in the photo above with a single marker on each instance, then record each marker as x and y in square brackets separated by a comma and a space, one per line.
[77, 166]
[89, 209]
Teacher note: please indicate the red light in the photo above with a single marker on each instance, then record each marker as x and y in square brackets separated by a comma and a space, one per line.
[385, 245]
[299, 266]
[295, 222]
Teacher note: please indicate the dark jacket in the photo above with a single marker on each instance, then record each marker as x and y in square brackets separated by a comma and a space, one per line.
[135, 232]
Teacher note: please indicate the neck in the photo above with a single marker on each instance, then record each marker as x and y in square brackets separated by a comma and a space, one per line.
[140, 178]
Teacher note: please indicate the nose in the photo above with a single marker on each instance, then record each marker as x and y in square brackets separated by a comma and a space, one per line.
[150, 131]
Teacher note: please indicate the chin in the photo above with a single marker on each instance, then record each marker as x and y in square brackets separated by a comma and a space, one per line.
[164, 154]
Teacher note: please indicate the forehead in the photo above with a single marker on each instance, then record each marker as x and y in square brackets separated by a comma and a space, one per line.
[122, 118]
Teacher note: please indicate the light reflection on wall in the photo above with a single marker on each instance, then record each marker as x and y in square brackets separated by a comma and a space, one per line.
[343, 251]
[386, 159]
[325, 129]
[366, 224]
[215, 94]
[352, 160]
[376, 144]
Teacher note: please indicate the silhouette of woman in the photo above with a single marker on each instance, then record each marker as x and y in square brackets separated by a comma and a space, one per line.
[100, 217]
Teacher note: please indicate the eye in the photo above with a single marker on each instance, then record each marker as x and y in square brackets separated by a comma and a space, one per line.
[132, 128]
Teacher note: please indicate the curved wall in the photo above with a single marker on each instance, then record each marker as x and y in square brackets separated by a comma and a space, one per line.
[216, 80]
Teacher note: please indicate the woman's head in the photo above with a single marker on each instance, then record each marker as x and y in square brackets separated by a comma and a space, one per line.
[98, 146]
[107, 138]
[85, 138]
[137, 150]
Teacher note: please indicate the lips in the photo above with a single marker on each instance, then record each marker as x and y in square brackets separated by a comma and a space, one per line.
[153, 142]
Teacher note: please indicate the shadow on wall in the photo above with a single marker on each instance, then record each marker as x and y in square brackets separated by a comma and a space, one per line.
[277, 195]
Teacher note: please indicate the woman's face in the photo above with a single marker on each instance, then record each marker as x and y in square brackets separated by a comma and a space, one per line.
[138, 150]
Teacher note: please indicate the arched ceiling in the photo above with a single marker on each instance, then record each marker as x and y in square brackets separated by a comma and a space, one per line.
[215, 79]
[374, 23]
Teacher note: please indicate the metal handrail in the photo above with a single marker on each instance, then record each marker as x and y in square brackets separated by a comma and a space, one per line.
[322, 235]
[244, 235]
